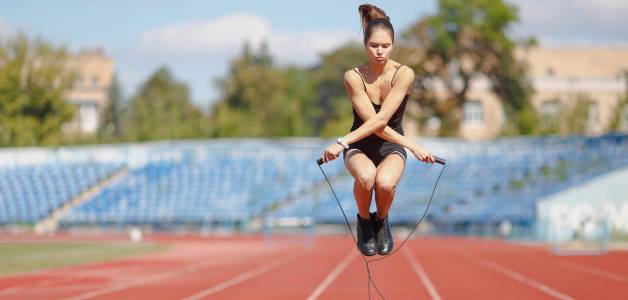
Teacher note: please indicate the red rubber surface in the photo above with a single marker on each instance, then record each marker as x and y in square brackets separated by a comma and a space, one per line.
[251, 268]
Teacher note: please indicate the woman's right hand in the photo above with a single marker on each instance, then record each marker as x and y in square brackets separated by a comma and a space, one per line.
[422, 154]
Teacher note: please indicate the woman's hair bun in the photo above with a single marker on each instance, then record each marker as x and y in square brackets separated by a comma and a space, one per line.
[370, 12]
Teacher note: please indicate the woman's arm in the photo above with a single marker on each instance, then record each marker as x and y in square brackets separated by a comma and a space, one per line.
[362, 104]
[377, 123]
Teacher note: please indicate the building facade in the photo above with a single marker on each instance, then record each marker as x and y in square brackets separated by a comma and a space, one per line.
[561, 76]
[94, 74]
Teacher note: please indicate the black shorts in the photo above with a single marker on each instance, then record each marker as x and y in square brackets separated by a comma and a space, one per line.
[376, 151]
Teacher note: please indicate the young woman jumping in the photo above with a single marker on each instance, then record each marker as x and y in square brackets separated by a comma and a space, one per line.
[374, 151]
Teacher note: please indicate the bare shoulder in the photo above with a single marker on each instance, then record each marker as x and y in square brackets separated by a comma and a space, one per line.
[351, 76]
[405, 72]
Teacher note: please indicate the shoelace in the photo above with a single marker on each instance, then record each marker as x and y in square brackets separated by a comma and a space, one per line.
[382, 231]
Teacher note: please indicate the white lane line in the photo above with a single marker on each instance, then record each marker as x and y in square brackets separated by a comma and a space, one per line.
[140, 282]
[590, 270]
[574, 266]
[158, 277]
[242, 277]
[516, 276]
[63, 278]
[342, 265]
[422, 275]
[38, 284]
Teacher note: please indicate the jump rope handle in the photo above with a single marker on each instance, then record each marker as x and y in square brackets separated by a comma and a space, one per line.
[437, 159]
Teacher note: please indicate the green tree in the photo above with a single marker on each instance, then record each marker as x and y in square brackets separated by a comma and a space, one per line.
[549, 124]
[571, 118]
[162, 110]
[618, 121]
[33, 79]
[467, 40]
[575, 120]
[110, 128]
[260, 99]
[333, 114]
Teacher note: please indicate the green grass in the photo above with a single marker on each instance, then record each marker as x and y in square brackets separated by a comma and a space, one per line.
[23, 257]
[619, 236]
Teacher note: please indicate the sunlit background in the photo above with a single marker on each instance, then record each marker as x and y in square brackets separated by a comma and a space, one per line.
[156, 130]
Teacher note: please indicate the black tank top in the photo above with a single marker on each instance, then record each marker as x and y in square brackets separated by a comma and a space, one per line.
[396, 119]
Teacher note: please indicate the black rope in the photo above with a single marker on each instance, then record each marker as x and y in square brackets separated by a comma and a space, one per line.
[366, 261]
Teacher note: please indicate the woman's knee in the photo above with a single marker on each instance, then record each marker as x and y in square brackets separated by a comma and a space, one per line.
[366, 179]
[385, 184]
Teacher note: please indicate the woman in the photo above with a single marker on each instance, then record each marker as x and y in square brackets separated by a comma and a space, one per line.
[374, 151]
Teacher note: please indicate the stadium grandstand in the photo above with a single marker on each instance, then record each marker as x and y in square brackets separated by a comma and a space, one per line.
[237, 184]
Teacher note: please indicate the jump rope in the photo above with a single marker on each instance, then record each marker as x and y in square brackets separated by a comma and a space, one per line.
[367, 261]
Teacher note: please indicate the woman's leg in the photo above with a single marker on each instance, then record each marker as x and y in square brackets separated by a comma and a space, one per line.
[363, 171]
[388, 174]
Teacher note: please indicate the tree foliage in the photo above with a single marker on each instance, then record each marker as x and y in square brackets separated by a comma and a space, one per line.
[110, 128]
[465, 41]
[33, 79]
[334, 115]
[619, 120]
[260, 99]
[161, 109]
[461, 44]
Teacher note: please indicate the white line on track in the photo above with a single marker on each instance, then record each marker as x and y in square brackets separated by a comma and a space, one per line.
[515, 275]
[590, 270]
[574, 266]
[158, 277]
[37, 284]
[63, 276]
[242, 277]
[342, 265]
[422, 275]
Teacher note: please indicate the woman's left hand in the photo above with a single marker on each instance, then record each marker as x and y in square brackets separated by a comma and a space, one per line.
[332, 152]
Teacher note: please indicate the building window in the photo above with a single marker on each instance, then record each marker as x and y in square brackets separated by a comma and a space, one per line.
[88, 118]
[95, 81]
[473, 113]
[550, 72]
[549, 116]
[550, 108]
[593, 115]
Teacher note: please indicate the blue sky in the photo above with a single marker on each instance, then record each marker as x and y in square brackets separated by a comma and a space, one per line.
[196, 39]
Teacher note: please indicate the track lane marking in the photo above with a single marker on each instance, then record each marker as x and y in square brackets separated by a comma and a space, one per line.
[418, 269]
[243, 277]
[514, 275]
[158, 277]
[329, 279]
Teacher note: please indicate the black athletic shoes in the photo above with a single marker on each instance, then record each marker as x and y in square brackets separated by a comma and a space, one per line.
[374, 236]
[383, 236]
[366, 236]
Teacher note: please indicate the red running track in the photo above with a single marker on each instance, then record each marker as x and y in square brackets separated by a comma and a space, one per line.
[330, 268]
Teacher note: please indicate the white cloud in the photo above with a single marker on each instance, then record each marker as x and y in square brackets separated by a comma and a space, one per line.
[5, 28]
[569, 21]
[222, 38]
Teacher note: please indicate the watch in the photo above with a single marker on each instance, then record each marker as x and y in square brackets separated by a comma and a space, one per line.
[342, 142]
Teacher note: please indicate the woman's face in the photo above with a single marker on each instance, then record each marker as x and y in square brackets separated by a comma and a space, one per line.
[379, 46]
